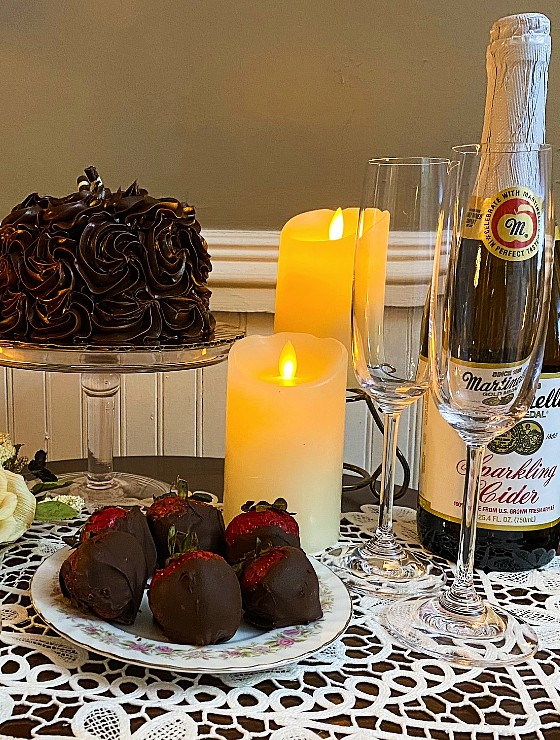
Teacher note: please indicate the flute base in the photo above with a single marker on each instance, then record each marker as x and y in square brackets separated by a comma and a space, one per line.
[122, 489]
[380, 575]
[493, 639]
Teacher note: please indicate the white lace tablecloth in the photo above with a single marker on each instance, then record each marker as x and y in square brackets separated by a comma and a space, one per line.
[362, 687]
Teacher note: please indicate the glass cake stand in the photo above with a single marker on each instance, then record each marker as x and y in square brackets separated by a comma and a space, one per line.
[101, 368]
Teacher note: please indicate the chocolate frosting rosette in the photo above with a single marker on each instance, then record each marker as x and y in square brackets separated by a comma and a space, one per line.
[104, 268]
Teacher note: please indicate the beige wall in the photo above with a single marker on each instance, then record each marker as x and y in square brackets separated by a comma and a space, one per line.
[252, 110]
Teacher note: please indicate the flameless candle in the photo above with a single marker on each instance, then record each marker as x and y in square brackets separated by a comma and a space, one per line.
[369, 283]
[285, 430]
[315, 265]
[315, 269]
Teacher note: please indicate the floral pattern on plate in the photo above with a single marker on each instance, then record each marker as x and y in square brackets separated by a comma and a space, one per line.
[249, 649]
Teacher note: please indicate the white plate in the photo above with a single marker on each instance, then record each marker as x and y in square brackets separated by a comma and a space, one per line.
[143, 643]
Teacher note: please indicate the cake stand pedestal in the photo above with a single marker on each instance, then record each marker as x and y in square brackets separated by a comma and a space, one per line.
[101, 369]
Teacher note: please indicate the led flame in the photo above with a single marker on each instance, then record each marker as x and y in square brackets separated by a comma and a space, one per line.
[336, 228]
[287, 363]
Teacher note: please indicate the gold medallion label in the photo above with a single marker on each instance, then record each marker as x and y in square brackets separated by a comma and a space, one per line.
[509, 224]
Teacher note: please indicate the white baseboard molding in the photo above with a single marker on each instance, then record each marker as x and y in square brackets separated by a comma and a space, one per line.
[245, 266]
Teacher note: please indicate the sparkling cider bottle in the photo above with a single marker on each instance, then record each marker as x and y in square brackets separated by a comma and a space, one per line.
[519, 510]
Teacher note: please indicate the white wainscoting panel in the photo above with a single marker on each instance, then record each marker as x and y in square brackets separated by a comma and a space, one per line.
[139, 414]
[29, 408]
[5, 395]
[183, 413]
[213, 407]
[178, 424]
[63, 417]
[358, 437]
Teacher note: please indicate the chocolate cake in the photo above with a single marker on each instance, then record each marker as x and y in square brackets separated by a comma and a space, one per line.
[130, 520]
[106, 575]
[196, 599]
[103, 268]
[280, 588]
[188, 516]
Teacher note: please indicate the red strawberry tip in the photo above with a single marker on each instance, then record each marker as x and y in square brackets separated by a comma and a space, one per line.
[102, 519]
[166, 504]
[257, 569]
[261, 548]
[172, 564]
[246, 523]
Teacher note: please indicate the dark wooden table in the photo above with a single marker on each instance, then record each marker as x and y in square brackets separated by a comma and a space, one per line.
[207, 474]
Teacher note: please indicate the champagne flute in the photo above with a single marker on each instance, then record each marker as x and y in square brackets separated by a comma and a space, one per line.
[397, 225]
[486, 343]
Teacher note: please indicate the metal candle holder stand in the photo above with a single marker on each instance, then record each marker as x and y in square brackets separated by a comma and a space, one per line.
[370, 479]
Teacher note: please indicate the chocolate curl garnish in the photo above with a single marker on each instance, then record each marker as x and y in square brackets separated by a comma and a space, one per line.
[83, 184]
[95, 181]
[91, 183]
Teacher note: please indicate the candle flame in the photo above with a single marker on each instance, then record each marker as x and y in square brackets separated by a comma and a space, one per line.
[287, 364]
[336, 228]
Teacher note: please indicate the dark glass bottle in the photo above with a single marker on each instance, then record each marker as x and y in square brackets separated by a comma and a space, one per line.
[519, 510]
[522, 486]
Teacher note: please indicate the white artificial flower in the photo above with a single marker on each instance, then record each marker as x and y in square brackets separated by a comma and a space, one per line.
[17, 506]
[76, 502]
[7, 449]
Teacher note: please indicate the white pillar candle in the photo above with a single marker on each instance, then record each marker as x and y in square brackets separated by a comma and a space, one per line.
[315, 269]
[285, 430]
[314, 283]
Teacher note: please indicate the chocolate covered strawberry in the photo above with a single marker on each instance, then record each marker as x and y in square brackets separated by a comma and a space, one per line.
[279, 587]
[188, 515]
[270, 523]
[106, 575]
[196, 599]
[130, 520]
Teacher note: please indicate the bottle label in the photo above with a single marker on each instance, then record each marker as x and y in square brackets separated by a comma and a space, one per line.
[509, 224]
[519, 486]
[475, 384]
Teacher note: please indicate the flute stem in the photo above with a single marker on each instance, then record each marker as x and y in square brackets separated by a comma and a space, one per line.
[461, 598]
